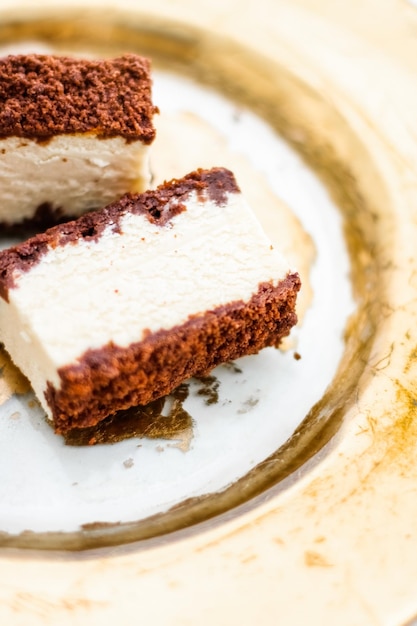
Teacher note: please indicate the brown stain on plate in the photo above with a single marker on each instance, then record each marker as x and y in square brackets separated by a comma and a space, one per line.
[315, 559]
[42, 607]
[402, 436]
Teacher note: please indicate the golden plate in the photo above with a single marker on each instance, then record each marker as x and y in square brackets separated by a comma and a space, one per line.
[338, 544]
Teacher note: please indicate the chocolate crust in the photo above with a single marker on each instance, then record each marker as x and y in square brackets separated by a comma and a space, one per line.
[159, 206]
[43, 95]
[45, 216]
[113, 378]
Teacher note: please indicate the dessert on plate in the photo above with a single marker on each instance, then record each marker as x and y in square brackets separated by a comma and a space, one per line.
[74, 135]
[119, 307]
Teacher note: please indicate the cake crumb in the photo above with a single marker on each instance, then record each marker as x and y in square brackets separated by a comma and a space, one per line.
[209, 389]
[129, 463]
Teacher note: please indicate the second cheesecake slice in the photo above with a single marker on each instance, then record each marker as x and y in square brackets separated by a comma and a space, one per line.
[73, 135]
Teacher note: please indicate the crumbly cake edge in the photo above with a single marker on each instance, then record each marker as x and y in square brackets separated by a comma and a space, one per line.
[113, 378]
[42, 96]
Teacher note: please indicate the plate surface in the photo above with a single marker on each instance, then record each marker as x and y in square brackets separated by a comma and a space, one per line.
[328, 538]
[225, 425]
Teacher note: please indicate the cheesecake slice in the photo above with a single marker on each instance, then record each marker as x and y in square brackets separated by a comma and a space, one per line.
[74, 135]
[119, 307]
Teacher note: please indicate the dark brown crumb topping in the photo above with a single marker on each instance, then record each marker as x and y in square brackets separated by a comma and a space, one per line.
[159, 206]
[114, 378]
[42, 96]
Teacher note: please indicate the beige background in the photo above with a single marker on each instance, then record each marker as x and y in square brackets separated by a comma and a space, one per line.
[339, 546]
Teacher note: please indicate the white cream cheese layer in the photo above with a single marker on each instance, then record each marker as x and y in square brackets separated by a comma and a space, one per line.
[74, 173]
[85, 294]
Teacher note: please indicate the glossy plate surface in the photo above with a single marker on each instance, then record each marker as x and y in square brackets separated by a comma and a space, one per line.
[320, 529]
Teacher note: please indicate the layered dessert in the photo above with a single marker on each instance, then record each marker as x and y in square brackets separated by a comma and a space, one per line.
[74, 135]
[117, 308]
